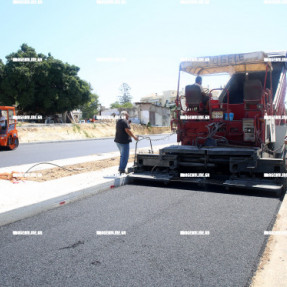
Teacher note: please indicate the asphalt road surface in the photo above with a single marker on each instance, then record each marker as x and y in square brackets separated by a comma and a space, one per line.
[30, 153]
[152, 253]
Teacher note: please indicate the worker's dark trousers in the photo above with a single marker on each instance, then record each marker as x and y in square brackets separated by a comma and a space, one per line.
[125, 151]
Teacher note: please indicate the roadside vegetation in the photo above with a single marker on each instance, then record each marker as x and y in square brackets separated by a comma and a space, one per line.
[39, 84]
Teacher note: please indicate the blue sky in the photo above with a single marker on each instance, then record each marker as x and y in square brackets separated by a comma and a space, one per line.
[146, 38]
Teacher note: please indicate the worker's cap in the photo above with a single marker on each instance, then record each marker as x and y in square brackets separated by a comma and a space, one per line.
[123, 113]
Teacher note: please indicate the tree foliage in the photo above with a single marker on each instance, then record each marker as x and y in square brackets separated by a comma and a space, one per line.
[125, 96]
[45, 87]
[117, 105]
[90, 108]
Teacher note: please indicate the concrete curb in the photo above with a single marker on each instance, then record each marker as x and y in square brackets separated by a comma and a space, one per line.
[272, 266]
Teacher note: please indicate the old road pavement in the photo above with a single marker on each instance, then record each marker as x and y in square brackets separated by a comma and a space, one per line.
[39, 152]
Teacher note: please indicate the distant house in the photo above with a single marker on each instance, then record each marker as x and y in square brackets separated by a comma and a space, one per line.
[77, 115]
[133, 113]
[110, 112]
[166, 99]
[144, 113]
[154, 114]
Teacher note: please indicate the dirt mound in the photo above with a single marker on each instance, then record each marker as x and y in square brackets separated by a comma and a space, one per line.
[56, 132]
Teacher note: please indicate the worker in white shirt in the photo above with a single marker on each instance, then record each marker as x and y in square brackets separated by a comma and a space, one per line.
[198, 82]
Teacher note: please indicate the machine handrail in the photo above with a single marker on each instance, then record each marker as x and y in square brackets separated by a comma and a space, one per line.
[210, 95]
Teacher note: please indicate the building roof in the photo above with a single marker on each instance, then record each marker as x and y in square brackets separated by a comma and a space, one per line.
[148, 103]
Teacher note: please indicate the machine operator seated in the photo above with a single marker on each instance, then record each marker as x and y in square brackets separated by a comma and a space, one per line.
[198, 82]
[195, 95]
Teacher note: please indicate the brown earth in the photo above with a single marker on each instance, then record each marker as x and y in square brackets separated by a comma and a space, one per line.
[69, 170]
[57, 132]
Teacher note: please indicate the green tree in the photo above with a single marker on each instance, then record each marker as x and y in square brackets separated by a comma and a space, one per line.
[115, 105]
[90, 108]
[125, 96]
[127, 105]
[46, 87]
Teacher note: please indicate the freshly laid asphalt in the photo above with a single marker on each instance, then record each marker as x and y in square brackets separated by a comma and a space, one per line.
[40, 152]
[152, 253]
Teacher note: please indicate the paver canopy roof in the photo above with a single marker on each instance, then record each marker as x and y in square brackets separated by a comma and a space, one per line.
[232, 63]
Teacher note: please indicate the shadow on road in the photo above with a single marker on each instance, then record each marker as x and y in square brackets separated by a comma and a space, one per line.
[208, 188]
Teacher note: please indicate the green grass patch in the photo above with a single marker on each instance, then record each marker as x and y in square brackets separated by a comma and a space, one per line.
[86, 134]
[76, 128]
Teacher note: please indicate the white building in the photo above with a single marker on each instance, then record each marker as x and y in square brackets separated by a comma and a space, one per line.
[166, 99]
[155, 115]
